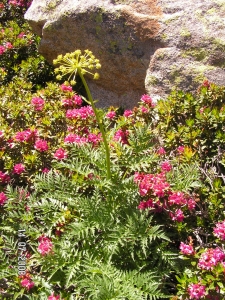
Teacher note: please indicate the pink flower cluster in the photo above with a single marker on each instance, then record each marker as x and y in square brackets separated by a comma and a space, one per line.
[4, 178]
[3, 198]
[152, 184]
[25, 136]
[45, 245]
[75, 138]
[147, 100]
[156, 187]
[41, 145]
[111, 115]
[219, 230]
[18, 169]
[210, 258]
[74, 101]
[128, 113]
[196, 290]
[66, 88]
[38, 103]
[80, 113]
[161, 151]
[166, 166]
[27, 283]
[187, 249]
[52, 297]
[21, 3]
[121, 136]
[60, 154]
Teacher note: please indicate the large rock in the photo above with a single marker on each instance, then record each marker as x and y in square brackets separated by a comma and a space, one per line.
[143, 45]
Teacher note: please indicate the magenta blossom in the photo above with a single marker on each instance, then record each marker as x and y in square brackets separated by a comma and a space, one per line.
[18, 169]
[219, 230]
[111, 114]
[38, 103]
[127, 113]
[147, 100]
[60, 154]
[177, 216]
[45, 245]
[52, 297]
[121, 136]
[186, 249]
[4, 178]
[2, 49]
[3, 198]
[41, 145]
[196, 291]
[27, 283]
[66, 88]
[161, 151]
[166, 166]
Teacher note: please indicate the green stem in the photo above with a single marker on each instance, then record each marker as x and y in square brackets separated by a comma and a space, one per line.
[99, 121]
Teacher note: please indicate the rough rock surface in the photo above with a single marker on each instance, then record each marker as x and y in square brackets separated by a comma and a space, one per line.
[143, 45]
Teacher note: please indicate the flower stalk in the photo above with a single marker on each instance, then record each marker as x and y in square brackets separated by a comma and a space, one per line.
[73, 64]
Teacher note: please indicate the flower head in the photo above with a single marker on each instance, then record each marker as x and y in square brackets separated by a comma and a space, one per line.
[45, 245]
[219, 230]
[41, 145]
[196, 291]
[3, 198]
[38, 103]
[76, 62]
[52, 297]
[18, 169]
[60, 154]
[27, 283]
[186, 249]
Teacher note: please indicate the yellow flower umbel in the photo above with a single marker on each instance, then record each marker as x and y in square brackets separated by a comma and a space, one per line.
[75, 63]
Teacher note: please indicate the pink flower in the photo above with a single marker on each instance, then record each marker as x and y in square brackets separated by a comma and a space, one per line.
[177, 216]
[25, 136]
[152, 184]
[2, 49]
[121, 136]
[38, 103]
[18, 168]
[210, 258]
[196, 291]
[3, 198]
[80, 113]
[146, 204]
[219, 230]
[66, 88]
[111, 114]
[177, 198]
[127, 113]
[4, 178]
[94, 138]
[41, 145]
[45, 170]
[191, 204]
[180, 149]
[21, 35]
[27, 283]
[75, 100]
[161, 151]
[8, 45]
[147, 99]
[45, 245]
[186, 249]
[74, 138]
[166, 166]
[144, 110]
[60, 154]
[52, 297]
